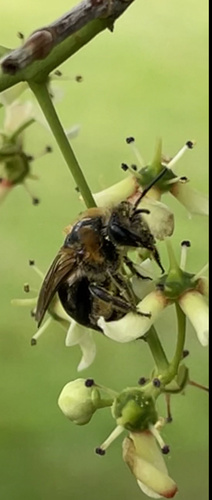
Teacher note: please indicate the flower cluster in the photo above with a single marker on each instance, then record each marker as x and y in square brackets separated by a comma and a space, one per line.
[134, 409]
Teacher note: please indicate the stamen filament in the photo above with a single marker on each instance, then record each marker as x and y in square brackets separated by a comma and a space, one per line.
[114, 434]
[136, 151]
[200, 273]
[184, 252]
[154, 431]
[40, 331]
[24, 302]
[176, 158]
[37, 270]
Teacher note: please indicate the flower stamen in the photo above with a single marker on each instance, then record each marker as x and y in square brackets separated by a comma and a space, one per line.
[40, 331]
[154, 429]
[200, 273]
[114, 434]
[185, 244]
[176, 158]
[131, 141]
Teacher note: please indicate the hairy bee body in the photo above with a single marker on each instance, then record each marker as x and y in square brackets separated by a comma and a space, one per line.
[87, 271]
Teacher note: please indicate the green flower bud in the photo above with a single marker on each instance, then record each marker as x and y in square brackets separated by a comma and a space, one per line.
[79, 401]
[134, 410]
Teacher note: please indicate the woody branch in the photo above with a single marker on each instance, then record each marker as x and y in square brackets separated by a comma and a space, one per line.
[48, 47]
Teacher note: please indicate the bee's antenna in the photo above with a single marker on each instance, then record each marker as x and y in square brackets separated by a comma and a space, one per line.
[150, 185]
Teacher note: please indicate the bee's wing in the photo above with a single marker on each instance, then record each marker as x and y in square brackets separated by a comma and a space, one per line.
[64, 264]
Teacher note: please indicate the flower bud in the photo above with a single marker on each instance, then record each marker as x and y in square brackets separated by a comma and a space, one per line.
[79, 402]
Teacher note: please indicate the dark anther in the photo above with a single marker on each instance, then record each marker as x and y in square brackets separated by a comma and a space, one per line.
[33, 341]
[58, 72]
[77, 189]
[26, 288]
[20, 35]
[190, 144]
[48, 149]
[134, 167]
[160, 286]
[35, 201]
[183, 178]
[100, 451]
[185, 243]
[165, 450]
[185, 353]
[89, 382]
[124, 167]
[142, 381]
[169, 419]
[156, 382]
[78, 78]
[30, 158]
[129, 140]
[31, 262]
[32, 313]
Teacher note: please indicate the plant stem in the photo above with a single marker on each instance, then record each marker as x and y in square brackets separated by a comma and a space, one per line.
[157, 351]
[41, 93]
[181, 319]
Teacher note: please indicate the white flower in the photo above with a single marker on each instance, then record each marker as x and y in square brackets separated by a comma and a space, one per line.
[145, 460]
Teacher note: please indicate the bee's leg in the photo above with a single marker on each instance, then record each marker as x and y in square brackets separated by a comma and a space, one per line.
[156, 256]
[133, 270]
[118, 303]
[124, 287]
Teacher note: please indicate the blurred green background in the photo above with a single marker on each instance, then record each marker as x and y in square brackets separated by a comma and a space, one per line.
[147, 79]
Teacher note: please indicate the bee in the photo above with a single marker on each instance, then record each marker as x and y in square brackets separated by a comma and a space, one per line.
[87, 271]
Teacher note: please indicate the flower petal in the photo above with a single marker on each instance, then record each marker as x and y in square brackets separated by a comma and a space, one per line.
[17, 114]
[160, 219]
[78, 334]
[134, 325]
[145, 460]
[195, 202]
[116, 193]
[196, 309]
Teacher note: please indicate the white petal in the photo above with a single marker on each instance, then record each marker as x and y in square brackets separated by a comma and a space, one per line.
[194, 306]
[116, 193]
[17, 114]
[88, 348]
[73, 132]
[145, 459]
[193, 201]
[133, 325]
[75, 334]
[78, 334]
[148, 491]
[160, 219]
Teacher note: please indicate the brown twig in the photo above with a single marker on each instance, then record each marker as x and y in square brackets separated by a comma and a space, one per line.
[41, 42]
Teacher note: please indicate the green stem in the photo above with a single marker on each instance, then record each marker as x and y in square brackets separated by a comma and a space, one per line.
[157, 351]
[41, 93]
[181, 319]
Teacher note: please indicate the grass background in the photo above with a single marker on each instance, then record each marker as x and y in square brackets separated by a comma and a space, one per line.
[147, 79]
